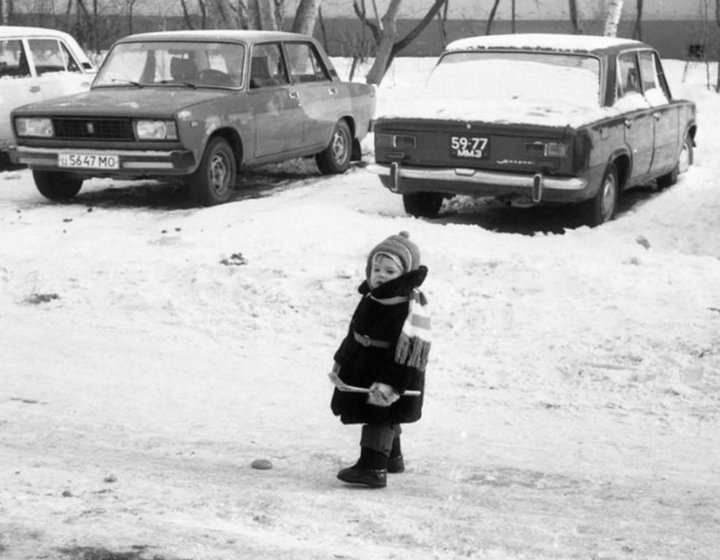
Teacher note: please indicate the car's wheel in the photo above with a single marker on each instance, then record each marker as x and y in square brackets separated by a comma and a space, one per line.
[57, 185]
[336, 157]
[602, 207]
[214, 180]
[685, 159]
[422, 204]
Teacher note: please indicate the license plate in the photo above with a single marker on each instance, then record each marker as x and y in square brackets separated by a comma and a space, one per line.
[469, 147]
[89, 161]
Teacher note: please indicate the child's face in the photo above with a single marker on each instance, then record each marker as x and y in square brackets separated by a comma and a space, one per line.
[383, 270]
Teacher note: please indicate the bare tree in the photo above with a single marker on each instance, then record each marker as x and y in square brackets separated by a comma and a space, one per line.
[637, 30]
[129, 7]
[228, 13]
[613, 18]
[575, 17]
[491, 17]
[384, 31]
[264, 14]
[187, 16]
[306, 16]
[267, 15]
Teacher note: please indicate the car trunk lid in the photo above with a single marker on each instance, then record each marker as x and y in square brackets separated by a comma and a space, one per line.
[474, 145]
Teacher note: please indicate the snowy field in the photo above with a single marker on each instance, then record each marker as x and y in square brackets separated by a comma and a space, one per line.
[150, 352]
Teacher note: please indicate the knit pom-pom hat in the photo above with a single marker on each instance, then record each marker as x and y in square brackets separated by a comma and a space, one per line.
[400, 249]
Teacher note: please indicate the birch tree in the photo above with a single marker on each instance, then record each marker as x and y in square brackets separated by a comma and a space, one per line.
[613, 18]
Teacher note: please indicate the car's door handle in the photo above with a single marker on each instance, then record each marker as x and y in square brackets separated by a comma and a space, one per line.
[628, 123]
[657, 115]
[332, 91]
[293, 95]
[34, 89]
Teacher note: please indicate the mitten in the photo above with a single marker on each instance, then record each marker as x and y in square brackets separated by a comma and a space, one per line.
[382, 394]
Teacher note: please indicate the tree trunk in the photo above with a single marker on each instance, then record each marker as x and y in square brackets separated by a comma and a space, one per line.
[637, 31]
[491, 17]
[512, 18]
[266, 11]
[228, 14]
[306, 17]
[388, 32]
[613, 18]
[575, 18]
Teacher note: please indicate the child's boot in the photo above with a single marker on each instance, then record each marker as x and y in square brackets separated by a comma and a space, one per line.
[395, 463]
[370, 469]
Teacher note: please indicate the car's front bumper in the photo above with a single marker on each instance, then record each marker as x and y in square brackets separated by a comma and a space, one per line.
[476, 182]
[131, 162]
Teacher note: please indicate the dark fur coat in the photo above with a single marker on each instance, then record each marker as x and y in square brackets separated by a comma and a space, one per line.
[363, 365]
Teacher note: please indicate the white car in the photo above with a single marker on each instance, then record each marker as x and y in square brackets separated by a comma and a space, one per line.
[37, 64]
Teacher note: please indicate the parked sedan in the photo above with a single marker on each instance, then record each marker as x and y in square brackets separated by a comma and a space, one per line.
[195, 106]
[537, 119]
[37, 64]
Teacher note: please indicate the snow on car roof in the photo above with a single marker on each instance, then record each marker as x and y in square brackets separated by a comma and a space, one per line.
[545, 41]
[251, 36]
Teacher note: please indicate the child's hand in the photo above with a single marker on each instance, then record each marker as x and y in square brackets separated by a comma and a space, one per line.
[382, 394]
[336, 367]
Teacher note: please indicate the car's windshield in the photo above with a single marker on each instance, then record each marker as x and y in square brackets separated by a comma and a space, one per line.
[173, 63]
[518, 75]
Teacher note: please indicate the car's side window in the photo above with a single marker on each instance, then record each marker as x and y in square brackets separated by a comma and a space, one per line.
[13, 60]
[628, 75]
[655, 93]
[648, 71]
[50, 56]
[71, 64]
[305, 64]
[267, 67]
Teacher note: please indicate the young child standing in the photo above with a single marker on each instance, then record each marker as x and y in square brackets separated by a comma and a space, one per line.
[385, 351]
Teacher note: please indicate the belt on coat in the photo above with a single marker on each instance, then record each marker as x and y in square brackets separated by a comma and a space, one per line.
[366, 341]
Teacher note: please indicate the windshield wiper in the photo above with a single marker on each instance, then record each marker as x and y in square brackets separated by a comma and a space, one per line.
[130, 82]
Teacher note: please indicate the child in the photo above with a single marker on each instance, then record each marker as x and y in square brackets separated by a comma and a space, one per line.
[386, 351]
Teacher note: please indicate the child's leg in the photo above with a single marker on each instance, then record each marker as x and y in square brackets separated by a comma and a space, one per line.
[371, 468]
[379, 437]
[396, 464]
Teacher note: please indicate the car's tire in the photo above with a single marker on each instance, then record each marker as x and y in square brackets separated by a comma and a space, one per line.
[57, 185]
[214, 180]
[423, 204]
[335, 158]
[603, 206]
[685, 160]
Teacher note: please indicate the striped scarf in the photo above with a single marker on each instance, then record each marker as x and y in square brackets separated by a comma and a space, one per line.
[413, 346]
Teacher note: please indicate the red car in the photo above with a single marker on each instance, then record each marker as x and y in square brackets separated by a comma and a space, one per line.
[537, 119]
[195, 106]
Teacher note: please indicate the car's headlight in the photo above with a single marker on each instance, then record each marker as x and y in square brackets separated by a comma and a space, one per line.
[34, 126]
[155, 130]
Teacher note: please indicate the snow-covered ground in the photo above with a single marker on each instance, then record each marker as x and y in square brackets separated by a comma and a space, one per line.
[150, 352]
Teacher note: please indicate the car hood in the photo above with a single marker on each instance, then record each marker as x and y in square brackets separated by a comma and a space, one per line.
[123, 101]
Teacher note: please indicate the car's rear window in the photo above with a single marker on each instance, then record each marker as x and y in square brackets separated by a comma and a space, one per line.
[519, 75]
[173, 63]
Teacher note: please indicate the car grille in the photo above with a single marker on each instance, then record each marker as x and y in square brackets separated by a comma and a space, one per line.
[94, 129]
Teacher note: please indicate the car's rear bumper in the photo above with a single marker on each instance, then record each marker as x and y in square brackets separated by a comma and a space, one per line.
[131, 162]
[476, 182]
